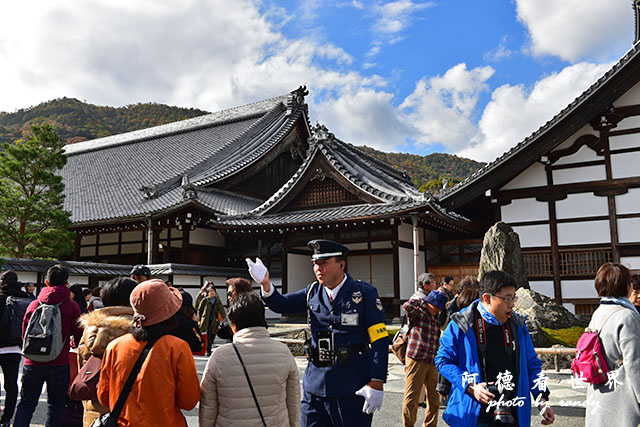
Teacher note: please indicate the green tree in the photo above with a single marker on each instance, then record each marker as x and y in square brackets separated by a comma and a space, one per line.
[33, 223]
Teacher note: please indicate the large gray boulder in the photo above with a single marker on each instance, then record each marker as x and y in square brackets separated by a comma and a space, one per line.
[542, 311]
[501, 251]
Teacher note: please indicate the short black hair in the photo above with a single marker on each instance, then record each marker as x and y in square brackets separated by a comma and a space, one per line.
[117, 291]
[78, 297]
[446, 279]
[635, 281]
[247, 310]
[492, 281]
[58, 275]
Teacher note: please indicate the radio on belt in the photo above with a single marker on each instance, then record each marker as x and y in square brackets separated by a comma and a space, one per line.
[325, 348]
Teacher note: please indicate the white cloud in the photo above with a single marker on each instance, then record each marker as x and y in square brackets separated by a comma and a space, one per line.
[577, 29]
[514, 113]
[500, 52]
[441, 108]
[391, 19]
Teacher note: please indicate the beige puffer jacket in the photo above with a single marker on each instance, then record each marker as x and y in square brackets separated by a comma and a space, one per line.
[225, 395]
[100, 328]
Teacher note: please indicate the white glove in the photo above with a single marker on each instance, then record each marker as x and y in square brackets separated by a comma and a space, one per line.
[257, 270]
[372, 399]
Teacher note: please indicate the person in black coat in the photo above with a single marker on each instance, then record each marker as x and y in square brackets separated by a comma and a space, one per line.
[188, 329]
[10, 356]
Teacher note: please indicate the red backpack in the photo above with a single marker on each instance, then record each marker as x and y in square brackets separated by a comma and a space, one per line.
[590, 364]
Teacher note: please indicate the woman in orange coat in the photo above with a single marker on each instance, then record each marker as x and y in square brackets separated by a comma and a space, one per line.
[167, 382]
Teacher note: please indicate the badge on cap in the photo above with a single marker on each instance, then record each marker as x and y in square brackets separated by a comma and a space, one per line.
[379, 304]
[356, 297]
[315, 245]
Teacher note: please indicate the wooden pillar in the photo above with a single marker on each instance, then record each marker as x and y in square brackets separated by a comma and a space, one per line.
[149, 242]
[416, 249]
[553, 230]
[611, 198]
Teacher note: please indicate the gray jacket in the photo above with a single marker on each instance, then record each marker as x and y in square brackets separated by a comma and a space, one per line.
[620, 337]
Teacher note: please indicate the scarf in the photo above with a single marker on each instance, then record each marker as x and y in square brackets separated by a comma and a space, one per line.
[487, 316]
[622, 301]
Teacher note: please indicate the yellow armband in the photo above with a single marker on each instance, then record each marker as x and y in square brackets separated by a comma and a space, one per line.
[377, 331]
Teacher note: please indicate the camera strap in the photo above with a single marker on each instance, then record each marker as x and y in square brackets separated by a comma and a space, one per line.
[481, 336]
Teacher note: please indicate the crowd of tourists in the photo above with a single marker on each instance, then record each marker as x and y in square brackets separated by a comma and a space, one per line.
[122, 354]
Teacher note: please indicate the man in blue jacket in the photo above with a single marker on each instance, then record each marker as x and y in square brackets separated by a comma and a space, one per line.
[487, 355]
[349, 348]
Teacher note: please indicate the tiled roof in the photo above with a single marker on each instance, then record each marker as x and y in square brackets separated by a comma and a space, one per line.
[141, 173]
[370, 175]
[592, 101]
[361, 212]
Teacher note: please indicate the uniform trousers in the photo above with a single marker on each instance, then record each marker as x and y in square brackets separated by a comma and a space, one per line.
[317, 411]
[418, 373]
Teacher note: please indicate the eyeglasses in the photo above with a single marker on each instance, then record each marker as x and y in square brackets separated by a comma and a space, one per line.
[508, 299]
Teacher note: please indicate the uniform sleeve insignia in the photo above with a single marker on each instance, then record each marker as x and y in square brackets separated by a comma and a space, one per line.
[356, 297]
[379, 305]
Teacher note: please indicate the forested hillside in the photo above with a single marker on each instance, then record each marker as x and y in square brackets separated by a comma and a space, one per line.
[429, 172]
[78, 121]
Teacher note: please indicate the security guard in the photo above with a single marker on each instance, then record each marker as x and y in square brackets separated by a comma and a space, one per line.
[348, 350]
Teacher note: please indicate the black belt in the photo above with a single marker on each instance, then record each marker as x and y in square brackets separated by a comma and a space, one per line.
[341, 355]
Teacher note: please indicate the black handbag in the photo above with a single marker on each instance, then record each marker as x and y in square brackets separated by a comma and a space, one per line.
[253, 393]
[110, 419]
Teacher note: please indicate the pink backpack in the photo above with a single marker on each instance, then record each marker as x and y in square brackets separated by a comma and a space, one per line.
[590, 364]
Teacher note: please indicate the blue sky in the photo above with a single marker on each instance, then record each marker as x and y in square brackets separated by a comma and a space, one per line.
[471, 78]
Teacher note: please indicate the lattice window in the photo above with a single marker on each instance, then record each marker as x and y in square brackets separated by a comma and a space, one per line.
[571, 262]
[325, 192]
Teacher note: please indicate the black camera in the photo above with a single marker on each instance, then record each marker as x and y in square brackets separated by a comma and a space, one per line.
[502, 415]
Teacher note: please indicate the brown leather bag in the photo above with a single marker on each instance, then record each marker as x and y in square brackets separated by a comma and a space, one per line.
[399, 342]
[85, 385]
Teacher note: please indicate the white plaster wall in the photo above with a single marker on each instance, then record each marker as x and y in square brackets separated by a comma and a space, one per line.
[358, 246]
[382, 274]
[628, 123]
[587, 173]
[524, 210]
[27, 276]
[623, 141]
[533, 235]
[405, 233]
[632, 262]
[277, 282]
[533, 176]
[381, 245]
[581, 205]
[570, 307]
[625, 165]
[79, 280]
[629, 230]
[584, 154]
[585, 232]
[629, 202]
[578, 289]
[543, 287]
[407, 279]
[184, 280]
[630, 97]
[299, 272]
[206, 237]
[359, 267]
[586, 129]
[88, 239]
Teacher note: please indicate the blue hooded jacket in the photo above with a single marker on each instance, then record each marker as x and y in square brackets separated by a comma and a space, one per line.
[458, 353]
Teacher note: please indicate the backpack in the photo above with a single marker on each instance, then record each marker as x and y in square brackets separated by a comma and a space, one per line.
[43, 340]
[590, 364]
[12, 317]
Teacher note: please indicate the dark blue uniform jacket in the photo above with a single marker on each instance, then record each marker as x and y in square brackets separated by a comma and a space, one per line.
[355, 297]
